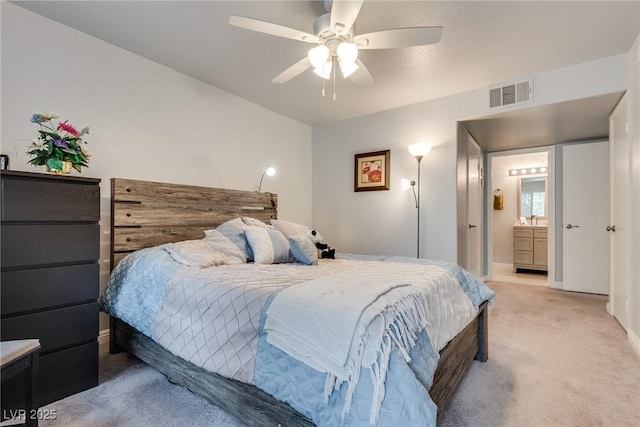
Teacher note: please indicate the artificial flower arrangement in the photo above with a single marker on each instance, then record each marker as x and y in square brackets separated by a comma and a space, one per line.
[58, 144]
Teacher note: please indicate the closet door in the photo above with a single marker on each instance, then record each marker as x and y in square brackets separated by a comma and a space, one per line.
[619, 227]
[585, 204]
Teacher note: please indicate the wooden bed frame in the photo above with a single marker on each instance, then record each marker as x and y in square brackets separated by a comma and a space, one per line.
[145, 214]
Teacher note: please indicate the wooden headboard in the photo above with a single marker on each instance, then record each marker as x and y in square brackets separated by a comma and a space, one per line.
[146, 213]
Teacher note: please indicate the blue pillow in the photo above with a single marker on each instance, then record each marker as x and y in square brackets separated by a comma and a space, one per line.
[269, 246]
[303, 249]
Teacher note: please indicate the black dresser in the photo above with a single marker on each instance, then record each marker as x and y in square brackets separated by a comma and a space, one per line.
[50, 241]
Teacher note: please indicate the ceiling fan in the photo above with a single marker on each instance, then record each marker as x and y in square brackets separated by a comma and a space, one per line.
[334, 35]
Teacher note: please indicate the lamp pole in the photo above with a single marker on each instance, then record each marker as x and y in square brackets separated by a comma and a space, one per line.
[418, 151]
[419, 159]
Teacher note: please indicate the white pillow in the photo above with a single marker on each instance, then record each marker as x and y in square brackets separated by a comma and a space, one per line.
[288, 228]
[252, 222]
[234, 231]
[195, 253]
[269, 246]
[222, 244]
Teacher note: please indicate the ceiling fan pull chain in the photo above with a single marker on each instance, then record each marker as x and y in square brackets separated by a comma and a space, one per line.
[333, 60]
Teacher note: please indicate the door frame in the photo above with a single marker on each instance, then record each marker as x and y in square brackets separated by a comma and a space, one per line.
[551, 217]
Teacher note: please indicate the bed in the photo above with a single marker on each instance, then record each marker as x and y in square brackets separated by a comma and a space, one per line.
[147, 214]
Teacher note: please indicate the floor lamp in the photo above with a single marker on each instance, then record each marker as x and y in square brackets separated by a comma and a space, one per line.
[418, 151]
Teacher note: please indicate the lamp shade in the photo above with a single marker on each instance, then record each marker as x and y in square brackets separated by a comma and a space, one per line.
[420, 149]
[324, 70]
[347, 68]
[347, 52]
[318, 55]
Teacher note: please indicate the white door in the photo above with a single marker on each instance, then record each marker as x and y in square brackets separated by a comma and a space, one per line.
[619, 236]
[474, 203]
[585, 212]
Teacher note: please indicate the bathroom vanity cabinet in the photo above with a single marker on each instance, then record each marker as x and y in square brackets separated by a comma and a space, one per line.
[530, 247]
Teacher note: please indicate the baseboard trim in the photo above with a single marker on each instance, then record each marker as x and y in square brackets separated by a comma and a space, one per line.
[103, 336]
[557, 285]
[634, 340]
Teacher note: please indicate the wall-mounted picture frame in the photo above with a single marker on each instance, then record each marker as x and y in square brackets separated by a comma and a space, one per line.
[372, 171]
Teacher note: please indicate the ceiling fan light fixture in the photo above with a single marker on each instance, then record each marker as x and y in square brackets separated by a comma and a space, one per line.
[347, 52]
[318, 56]
[347, 68]
[324, 70]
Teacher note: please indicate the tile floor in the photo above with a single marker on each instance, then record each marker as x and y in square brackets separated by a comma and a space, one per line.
[504, 273]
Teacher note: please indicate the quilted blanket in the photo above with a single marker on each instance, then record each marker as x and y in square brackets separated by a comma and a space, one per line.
[212, 317]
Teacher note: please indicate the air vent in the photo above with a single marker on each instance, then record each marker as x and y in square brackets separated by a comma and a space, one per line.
[506, 94]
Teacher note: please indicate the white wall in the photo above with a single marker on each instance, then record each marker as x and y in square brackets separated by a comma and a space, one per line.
[634, 137]
[147, 121]
[384, 221]
[503, 219]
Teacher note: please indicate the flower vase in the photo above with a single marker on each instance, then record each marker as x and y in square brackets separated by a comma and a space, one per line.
[64, 170]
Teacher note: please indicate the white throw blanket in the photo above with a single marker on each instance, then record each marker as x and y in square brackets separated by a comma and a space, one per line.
[340, 323]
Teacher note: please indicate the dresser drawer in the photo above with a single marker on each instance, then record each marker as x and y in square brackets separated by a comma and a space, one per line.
[27, 290]
[46, 199]
[540, 233]
[522, 244]
[61, 374]
[54, 328]
[523, 258]
[522, 232]
[43, 244]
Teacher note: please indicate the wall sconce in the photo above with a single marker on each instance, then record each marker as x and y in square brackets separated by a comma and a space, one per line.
[418, 151]
[269, 171]
[539, 170]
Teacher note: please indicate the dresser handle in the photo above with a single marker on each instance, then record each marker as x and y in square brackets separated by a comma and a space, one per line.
[128, 239]
[128, 214]
[128, 190]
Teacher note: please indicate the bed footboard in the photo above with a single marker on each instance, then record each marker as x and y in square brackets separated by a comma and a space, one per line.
[257, 408]
[456, 358]
[244, 401]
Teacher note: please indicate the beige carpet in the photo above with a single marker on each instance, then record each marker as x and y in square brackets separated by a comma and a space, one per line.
[555, 359]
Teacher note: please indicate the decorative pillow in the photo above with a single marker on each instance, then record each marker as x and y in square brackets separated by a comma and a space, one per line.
[303, 249]
[194, 253]
[288, 228]
[222, 244]
[269, 246]
[234, 231]
[252, 222]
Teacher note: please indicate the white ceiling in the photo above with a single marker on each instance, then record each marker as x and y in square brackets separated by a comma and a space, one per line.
[483, 43]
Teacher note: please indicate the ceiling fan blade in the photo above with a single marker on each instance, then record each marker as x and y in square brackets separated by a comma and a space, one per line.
[362, 77]
[293, 71]
[272, 29]
[399, 37]
[344, 14]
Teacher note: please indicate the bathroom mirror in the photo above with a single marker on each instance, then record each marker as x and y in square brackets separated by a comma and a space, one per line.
[532, 197]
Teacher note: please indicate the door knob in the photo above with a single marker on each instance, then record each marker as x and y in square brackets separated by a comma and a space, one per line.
[471, 226]
[570, 226]
[611, 228]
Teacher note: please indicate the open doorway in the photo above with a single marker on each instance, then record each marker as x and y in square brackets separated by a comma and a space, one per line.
[519, 216]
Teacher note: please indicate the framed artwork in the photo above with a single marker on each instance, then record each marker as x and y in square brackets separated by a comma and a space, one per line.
[372, 171]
